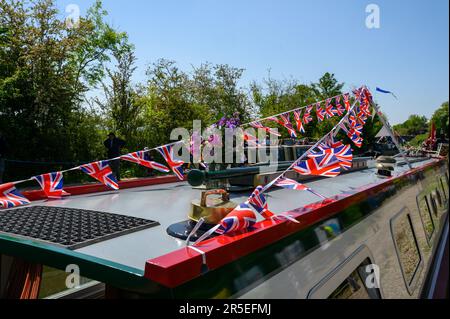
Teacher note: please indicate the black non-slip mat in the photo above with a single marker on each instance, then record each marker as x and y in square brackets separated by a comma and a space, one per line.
[68, 227]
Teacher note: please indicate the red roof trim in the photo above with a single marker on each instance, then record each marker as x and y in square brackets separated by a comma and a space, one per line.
[183, 265]
[97, 188]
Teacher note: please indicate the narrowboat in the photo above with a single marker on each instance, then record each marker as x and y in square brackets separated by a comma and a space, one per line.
[374, 237]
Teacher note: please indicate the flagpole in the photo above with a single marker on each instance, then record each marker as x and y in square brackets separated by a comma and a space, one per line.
[390, 131]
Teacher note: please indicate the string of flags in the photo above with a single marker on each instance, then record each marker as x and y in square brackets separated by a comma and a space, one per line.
[328, 161]
[328, 158]
[52, 183]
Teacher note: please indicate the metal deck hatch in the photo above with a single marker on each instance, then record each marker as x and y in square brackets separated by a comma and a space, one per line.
[68, 227]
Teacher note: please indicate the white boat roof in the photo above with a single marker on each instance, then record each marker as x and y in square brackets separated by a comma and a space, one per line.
[169, 204]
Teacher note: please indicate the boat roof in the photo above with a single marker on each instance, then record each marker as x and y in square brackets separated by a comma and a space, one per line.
[170, 203]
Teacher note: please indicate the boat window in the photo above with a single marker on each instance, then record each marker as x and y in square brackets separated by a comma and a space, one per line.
[439, 199]
[407, 248]
[425, 215]
[354, 287]
[54, 282]
[444, 186]
[433, 205]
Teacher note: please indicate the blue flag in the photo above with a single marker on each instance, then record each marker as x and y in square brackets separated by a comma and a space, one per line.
[386, 92]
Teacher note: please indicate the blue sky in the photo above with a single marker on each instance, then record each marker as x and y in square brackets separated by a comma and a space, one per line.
[302, 39]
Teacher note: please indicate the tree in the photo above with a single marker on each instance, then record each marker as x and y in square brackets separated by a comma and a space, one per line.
[216, 87]
[441, 118]
[168, 104]
[327, 87]
[46, 67]
[122, 107]
[415, 125]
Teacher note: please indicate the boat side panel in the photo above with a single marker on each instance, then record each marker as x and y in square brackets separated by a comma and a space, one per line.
[292, 267]
[375, 233]
[168, 269]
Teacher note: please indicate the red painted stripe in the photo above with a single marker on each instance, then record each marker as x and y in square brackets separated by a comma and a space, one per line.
[183, 265]
[97, 188]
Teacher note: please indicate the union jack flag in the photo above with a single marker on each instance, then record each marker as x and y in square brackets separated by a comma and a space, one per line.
[329, 142]
[307, 118]
[345, 156]
[175, 165]
[368, 95]
[258, 125]
[347, 101]
[320, 112]
[329, 109]
[275, 119]
[139, 158]
[325, 155]
[352, 119]
[357, 94]
[101, 172]
[259, 202]
[291, 184]
[52, 184]
[251, 140]
[366, 98]
[357, 129]
[312, 167]
[365, 106]
[339, 108]
[361, 118]
[241, 218]
[356, 139]
[10, 197]
[343, 153]
[286, 122]
[298, 120]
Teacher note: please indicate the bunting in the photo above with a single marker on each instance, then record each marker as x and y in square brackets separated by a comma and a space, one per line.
[251, 140]
[307, 118]
[347, 101]
[175, 165]
[259, 202]
[52, 185]
[312, 167]
[327, 160]
[291, 184]
[101, 172]
[334, 152]
[298, 120]
[258, 125]
[329, 109]
[286, 122]
[320, 112]
[355, 138]
[10, 197]
[139, 158]
[339, 108]
[240, 219]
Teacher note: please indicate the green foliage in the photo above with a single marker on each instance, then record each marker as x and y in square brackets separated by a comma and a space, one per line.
[121, 107]
[415, 125]
[327, 87]
[441, 118]
[274, 97]
[418, 140]
[45, 70]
